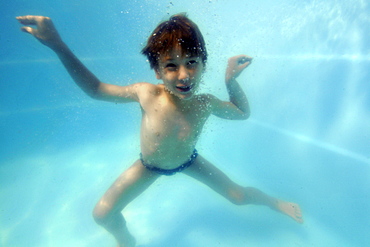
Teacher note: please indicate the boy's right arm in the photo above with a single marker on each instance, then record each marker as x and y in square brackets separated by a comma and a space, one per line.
[47, 34]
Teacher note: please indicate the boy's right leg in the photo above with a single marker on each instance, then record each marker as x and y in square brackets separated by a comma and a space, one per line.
[126, 188]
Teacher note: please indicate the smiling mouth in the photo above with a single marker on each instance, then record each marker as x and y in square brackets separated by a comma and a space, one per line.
[184, 89]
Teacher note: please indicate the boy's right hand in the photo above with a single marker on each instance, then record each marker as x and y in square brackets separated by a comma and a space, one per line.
[45, 31]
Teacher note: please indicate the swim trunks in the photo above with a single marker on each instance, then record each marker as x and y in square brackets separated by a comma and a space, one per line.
[169, 172]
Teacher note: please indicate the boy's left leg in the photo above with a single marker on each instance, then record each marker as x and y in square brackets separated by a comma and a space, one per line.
[205, 172]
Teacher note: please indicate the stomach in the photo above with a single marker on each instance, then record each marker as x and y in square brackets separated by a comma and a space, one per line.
[166, 154]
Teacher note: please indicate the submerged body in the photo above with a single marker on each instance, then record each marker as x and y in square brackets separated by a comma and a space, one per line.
[173, 116]
[169, 133]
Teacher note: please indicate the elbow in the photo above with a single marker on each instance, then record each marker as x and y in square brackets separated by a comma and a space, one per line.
[94, 94]
[248, 114]
[245, 112]
[93, 90]
[245, 116]
[240, 115]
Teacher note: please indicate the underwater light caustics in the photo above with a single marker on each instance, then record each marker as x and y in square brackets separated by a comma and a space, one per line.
[317, 143]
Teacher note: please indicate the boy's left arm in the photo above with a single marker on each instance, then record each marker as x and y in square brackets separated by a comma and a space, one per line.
[238, 107]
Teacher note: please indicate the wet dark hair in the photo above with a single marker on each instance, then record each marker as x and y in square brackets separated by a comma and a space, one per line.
[178, 31]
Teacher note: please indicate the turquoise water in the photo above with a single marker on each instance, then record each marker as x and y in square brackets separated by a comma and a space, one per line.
[307, 139]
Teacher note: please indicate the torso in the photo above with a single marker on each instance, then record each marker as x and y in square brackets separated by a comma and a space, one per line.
[170, 128]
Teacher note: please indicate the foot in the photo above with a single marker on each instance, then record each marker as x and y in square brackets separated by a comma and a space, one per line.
[291, 209]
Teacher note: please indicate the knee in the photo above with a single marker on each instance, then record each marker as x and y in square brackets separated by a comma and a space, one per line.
[101, 214]
[237, 196]
[242, 195]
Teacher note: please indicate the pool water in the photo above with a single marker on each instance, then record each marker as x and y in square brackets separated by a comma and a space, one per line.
[307, 140]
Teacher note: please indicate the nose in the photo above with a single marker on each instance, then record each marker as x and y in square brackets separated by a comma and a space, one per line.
[183, 73]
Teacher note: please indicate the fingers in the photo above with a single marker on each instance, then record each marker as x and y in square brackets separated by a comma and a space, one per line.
[236, 65]
[41, 23]
[33, 20]
[240, 60]
[29, 30]
[28, 19]
[245, 65]
[244, 59]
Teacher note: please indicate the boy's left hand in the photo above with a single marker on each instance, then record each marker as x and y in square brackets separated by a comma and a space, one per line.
[236, 65]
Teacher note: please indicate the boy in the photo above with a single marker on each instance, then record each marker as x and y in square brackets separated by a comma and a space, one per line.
[173, 116]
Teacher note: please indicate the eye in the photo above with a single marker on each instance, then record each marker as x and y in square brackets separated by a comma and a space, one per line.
[171, 66]
[192, 63]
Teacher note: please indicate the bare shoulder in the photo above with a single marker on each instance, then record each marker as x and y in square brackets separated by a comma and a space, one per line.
[147, 92]
[145, 88]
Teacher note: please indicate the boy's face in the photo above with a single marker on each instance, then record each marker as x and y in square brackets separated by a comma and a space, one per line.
[180, 73]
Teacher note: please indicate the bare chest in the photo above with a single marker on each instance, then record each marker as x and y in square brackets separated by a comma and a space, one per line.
[166, 121]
